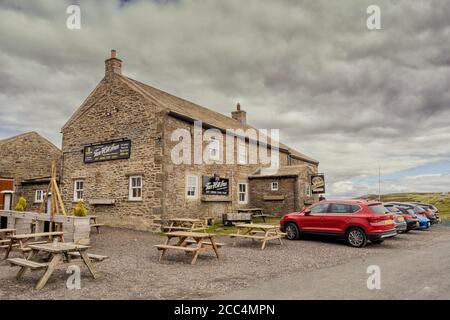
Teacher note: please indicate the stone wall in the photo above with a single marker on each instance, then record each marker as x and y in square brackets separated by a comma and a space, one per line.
[28, 191]
[175, 201]
[285, 200]
[113, 111]
[27, 156]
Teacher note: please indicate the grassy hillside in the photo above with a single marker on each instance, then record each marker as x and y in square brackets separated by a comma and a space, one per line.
[442, 202]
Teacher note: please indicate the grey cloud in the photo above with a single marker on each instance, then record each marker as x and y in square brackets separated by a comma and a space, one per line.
[350, 97]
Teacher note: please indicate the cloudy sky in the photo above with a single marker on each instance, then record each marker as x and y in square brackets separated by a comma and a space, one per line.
[353, 98]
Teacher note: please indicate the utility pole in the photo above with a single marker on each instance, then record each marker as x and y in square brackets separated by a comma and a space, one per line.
[379, 183]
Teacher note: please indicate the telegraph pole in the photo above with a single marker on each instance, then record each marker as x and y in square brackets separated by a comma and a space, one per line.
[379, 183]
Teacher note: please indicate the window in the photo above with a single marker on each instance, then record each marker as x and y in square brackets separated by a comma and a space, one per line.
[191, 187]
[39, 197]
[378, 208]
[242, 150]
[242, 193]
[320, 208]
[274, 186]
[135, 188]
[339, 208]
[214, 149]
[78, 190]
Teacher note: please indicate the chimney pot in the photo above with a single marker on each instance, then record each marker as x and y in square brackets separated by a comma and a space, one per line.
[239, 115]
[113, 65]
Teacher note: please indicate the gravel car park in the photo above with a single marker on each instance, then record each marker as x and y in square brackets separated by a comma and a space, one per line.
[133, 270]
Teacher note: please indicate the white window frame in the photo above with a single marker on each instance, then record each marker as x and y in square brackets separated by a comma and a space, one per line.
[274, 186]
[245, 193]
[137, 187]
[76, 189]
[193, 185]
[242, 152]
[214, 145]
[41, 198]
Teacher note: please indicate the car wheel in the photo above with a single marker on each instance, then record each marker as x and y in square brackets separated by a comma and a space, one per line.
[407, 230]
[292, 232]
[377, 241]
[356, 237]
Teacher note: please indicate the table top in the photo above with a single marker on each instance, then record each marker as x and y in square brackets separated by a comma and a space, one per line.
[7, 230]
[58, 247]
[34, 235]
[189, 234]
[251, 209]
[257, 226]
[184, 220]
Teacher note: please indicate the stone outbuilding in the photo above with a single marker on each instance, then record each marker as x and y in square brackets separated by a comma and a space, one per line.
[25, 166]
[118, 157]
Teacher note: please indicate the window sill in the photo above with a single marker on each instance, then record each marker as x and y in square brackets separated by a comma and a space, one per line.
[135, 200]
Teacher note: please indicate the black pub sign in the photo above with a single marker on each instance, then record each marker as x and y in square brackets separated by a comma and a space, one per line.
[317, 183]
[215, 185]
[107, 151]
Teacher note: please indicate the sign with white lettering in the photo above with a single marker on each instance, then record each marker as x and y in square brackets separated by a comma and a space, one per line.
[317, 183]
[215, 185]
[107, 151]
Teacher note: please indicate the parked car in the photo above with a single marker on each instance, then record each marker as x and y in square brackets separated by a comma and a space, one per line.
[418, 209]
[431, 211]
[412, 222]
[356, 221]
[424, 222]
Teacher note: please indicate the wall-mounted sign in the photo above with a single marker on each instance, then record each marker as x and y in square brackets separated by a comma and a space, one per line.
[317, 183]
[107, 151]
[215, 185]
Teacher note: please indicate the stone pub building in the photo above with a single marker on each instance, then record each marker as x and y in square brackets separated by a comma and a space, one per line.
[117, 156]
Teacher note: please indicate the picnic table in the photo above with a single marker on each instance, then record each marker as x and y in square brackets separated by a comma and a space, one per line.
[94, 223]
[255, 231]
[60, 253]
[186, 224]
[263, 216]
[190, 242]
[4, 234]
[21, 241]
[252, 210]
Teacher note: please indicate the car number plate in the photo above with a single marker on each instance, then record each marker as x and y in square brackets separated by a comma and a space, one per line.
[389, 221]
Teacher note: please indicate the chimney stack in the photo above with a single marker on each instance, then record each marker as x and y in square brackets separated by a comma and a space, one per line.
[239, 115]
[113, 65]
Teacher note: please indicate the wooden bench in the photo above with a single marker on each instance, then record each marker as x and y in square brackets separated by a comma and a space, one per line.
[199, 239]
[206, 243]
[95, 257]
[228, 219]
[166, 246]
[27, 263]
[97, 225]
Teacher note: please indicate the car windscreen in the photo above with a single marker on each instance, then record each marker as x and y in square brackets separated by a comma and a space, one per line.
[378, 208]
[392, 209]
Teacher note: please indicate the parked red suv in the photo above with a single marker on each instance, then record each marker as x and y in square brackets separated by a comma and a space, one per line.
[356, 221]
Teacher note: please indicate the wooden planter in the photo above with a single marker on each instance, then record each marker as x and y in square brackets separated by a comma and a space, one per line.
[76, 229]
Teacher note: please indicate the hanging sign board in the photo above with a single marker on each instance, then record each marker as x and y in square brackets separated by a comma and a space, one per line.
[317, 183]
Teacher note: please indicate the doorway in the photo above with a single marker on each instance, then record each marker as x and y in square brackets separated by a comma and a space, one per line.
[5, 185]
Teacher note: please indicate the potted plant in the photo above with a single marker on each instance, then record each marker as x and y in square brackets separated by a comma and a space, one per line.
[79, 210]
[21, 204]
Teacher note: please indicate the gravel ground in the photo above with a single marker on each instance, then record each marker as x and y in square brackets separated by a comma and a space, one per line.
[133, 270]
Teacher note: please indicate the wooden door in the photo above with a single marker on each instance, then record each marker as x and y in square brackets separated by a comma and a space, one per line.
[5, 184]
